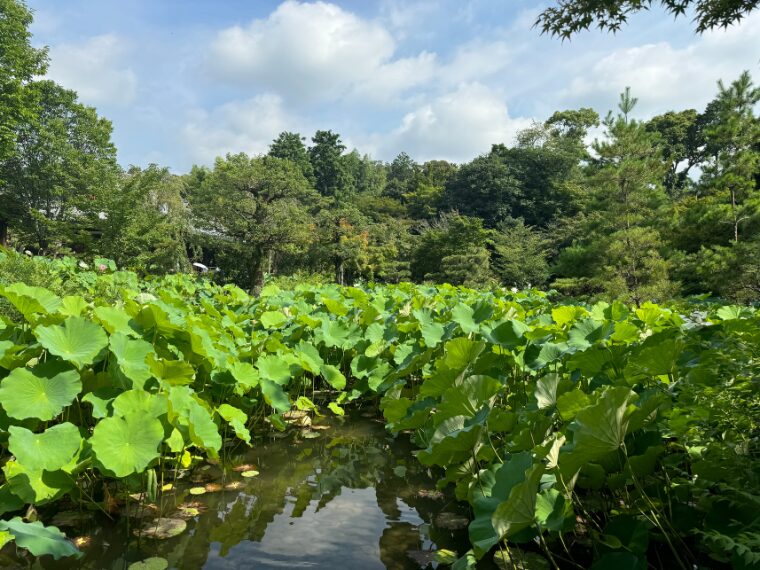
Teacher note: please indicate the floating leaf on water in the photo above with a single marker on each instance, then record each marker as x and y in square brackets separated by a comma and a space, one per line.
[213, 488]
[167, 487]
[444, 556]
[233, 486]
[70, 518]
[308, 434]
[451, 521]
[319, 427]
[244, 467]
[162, 528]
[154, 563]
[251, 473]
[432, 494]
[198, 491]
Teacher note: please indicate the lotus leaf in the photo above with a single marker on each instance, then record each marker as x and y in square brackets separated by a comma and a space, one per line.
[77, 340]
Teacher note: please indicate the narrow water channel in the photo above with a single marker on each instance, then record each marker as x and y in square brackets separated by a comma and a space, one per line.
[347, 497]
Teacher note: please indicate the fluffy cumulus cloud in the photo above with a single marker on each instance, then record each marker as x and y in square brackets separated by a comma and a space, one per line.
[454, 126]
[664, 76]
[239, 126]
[96, 68]
[313, 51]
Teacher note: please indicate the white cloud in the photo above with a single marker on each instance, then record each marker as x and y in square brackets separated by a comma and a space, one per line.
[666, 77]
[310, 51]
[240, 126]
[455, 126]
[95, 69]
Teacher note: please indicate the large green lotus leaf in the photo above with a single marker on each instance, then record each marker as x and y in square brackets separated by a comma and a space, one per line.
[454, 439]
[36, 486]
[588, 332]
[519, 510]
[77, 340]
[237, 419]
[273, 319]
[274, 395]
[538, 356]
[50, 450]
[572, 402]
[41, 392]
[38, 539]
[127, 445]
[509, 334]
[333, 376]
[309, 357]
[171, 372]
[468, 396]
[131, 355]
[245, 375]
[566, 314]
[73, 306]
[335, 334]
[461, 353]
[188, 412]
[29, 300]
[274, 368]
[598, 430]
[432, 332]
[491, 487]
[463, 316]
[135, 401]
[115, 320]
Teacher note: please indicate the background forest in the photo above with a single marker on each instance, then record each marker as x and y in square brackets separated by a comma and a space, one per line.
[648, 210]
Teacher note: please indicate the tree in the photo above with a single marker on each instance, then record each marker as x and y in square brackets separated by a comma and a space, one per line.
[401, 174]
[329, 170]
[519, 255]
[619, 251]
[732, 139]
[290, 146]
[147, 222]
[569, 17]
[681, 142]
[19, 63]
[259, 205]
[486, 188]
[53, 185]
[452, 250]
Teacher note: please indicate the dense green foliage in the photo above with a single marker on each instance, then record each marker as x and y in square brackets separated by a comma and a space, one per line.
[652, 210]
[607, 434]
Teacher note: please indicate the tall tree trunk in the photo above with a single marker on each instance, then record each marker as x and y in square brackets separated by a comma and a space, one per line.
[736, 216]
[257, 271]
[3, 233]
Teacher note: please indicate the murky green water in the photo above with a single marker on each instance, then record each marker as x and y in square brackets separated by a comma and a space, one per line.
[351, 498]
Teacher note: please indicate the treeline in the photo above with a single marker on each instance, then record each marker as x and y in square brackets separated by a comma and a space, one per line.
[650, 210]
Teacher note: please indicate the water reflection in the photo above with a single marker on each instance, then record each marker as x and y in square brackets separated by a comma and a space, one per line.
[351, 498]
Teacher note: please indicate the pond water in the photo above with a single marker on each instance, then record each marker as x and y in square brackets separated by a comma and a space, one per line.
[353, 497]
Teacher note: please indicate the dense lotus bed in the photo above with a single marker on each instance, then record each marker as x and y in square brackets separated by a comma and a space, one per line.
[567, 435]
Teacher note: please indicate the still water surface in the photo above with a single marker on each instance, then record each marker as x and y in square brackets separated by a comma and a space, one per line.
[353, 497]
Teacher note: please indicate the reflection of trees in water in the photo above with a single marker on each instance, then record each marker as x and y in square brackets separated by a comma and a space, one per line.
[299, 476]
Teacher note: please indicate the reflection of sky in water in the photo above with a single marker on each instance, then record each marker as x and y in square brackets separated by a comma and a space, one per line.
[344, 534]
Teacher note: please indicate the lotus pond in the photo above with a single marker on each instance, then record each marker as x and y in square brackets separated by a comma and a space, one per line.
[529, 432]
[344, 495]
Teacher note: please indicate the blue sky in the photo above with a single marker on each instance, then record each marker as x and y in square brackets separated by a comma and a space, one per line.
[185, 81]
